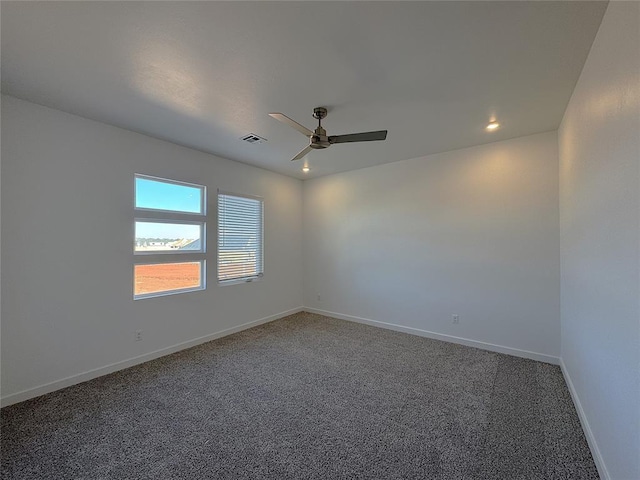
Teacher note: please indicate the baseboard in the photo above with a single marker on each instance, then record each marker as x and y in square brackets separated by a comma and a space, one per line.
[114, 367]
[441, 336]
[591, 439]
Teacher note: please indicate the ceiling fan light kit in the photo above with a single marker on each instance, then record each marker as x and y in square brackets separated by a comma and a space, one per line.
[318, 139]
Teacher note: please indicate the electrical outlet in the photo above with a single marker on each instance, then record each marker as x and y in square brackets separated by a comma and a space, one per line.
[455, 318]
[138, 336]
[319, 298]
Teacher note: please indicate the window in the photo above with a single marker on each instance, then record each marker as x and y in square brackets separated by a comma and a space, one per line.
[169, 239]
[240, 238]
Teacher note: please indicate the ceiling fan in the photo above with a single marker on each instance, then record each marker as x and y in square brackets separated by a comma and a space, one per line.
[318, 138]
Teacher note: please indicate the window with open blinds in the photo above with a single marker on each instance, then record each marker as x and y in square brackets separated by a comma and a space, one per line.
[240, 237]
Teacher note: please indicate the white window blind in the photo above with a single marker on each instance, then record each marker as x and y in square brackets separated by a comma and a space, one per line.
[240, 238]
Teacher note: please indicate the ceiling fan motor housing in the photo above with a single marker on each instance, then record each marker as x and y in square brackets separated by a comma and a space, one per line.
[319, 139]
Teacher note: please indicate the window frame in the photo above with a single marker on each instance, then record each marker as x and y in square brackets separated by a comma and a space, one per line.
[154, 215]
[172, 221]
[240, 280]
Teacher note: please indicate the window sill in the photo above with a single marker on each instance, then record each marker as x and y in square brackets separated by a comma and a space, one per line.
[168, 292]
[225, 283]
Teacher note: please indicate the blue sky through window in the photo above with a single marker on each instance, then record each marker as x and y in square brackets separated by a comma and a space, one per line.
[167, 196]
[161, 195]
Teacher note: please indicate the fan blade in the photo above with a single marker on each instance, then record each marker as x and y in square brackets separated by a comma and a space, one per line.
[292, 123]
[359, 137]
[302, 153]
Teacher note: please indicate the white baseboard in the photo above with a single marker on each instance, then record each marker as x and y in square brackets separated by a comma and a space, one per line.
[114, 367]
[441, 336]
[591, 439]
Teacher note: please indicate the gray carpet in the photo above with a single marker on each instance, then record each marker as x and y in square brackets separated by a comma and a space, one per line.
[306, 397]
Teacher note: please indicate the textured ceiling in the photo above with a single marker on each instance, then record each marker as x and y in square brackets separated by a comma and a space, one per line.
[203, 74]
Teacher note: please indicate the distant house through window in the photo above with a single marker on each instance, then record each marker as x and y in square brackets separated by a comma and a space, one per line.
[240, 238]
[169, 240]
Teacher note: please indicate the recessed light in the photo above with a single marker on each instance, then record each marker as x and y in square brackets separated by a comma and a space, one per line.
[305, 169]
[493, 125]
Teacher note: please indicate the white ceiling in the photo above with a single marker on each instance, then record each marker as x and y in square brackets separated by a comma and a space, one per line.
[203, 74]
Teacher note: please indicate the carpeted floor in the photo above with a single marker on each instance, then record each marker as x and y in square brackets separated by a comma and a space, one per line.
[306, 397]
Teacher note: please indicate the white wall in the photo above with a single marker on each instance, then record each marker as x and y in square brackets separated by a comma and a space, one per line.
[472, 232]
[67, 239]
[600, 205]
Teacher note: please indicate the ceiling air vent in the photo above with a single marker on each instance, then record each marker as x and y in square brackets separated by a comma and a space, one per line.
[253, 138]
